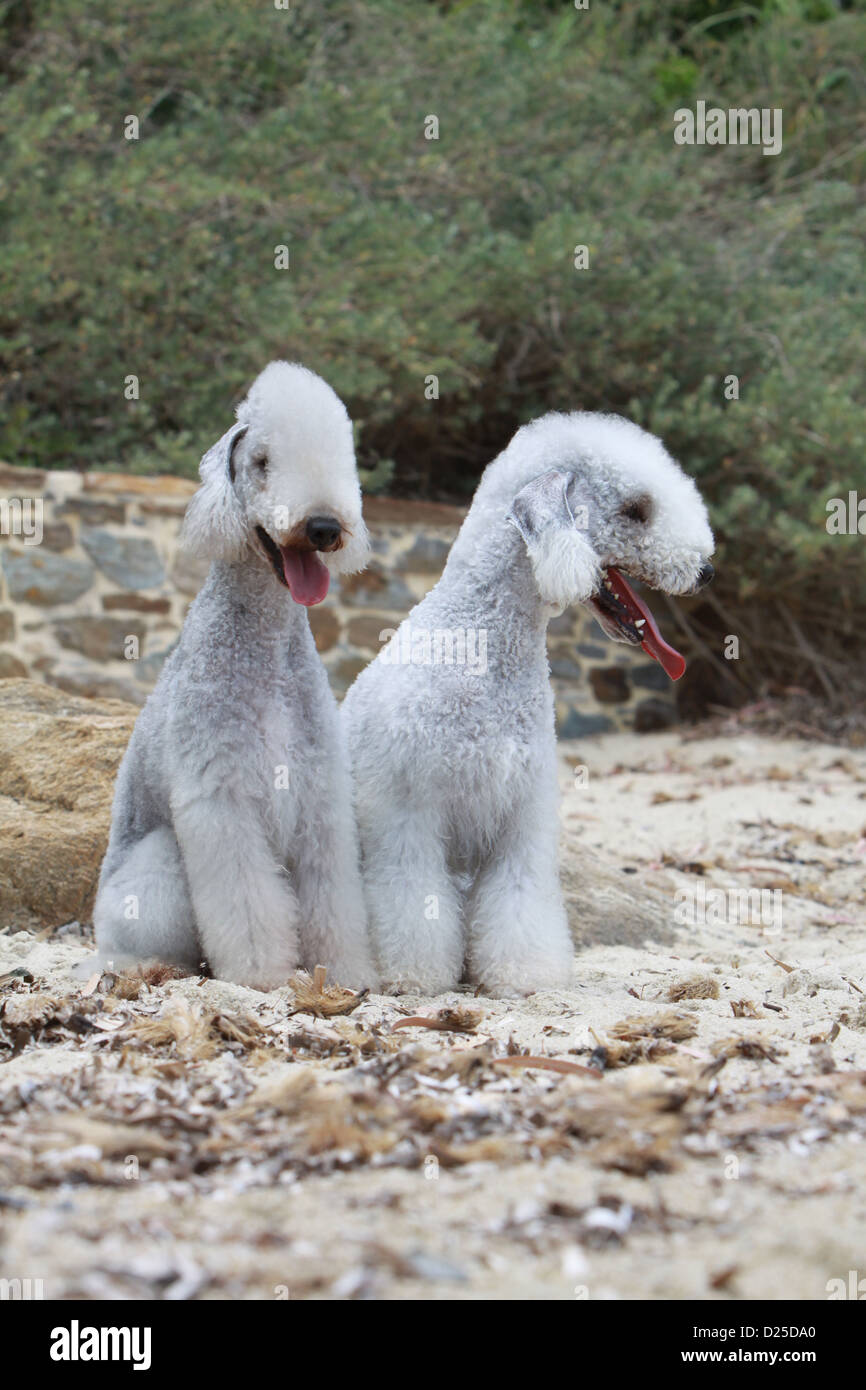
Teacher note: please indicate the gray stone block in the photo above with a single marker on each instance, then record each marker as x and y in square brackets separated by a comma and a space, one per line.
[131, 562]
[36, 576]
[98, 638]
[576, 725]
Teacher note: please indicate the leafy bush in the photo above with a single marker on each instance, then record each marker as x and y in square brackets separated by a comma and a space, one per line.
[453, 257]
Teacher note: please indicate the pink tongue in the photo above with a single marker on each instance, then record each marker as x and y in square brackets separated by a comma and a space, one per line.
[672, 661]
[306, 576]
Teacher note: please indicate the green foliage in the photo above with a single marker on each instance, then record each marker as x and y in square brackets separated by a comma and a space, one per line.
[454, 257]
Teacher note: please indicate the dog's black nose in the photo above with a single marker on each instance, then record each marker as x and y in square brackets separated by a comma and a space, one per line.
[323, 531]
[705, 575]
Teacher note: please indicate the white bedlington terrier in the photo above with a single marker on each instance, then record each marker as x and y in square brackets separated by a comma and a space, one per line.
[232, 836]
[451, 727]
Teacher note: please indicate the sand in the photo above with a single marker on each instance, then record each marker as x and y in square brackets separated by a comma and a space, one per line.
[205, 1141]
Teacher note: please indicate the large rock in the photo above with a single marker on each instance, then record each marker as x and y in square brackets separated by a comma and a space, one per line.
[59, 756]
[607, 906]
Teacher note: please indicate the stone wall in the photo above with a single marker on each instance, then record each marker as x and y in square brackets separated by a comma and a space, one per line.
[96, 605]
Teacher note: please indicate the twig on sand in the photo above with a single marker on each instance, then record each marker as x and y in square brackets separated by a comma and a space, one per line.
[446, 1020]
[547, 1064]
[788, 968]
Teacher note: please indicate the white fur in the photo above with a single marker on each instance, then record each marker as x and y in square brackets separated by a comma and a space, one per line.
[455, 768]
[293, 417]
[211, 855]
[564, 564]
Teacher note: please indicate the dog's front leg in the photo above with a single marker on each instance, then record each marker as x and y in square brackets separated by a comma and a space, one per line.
[518, 935]
[331, 895]
[245, 907]
[413, 904]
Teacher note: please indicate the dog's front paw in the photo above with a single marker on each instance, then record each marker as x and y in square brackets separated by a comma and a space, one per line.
[264, 980]
[355, 972]
[361, 981]
[505, 990]
[519, 985]
[408, 984]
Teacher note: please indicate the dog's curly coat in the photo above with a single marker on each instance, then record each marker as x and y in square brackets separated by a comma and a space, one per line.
[232, 834]
[454, 766]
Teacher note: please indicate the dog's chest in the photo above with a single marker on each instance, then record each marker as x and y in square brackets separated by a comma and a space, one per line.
[296, 736]
[489, 769]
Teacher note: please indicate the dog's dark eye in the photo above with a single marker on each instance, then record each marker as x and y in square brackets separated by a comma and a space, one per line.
[260, 463]
[636, 509]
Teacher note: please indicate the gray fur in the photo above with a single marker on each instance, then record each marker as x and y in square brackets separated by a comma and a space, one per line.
[455, 767]
[211, 854]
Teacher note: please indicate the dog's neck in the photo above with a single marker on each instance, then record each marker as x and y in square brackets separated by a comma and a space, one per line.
[259, 602]
[488, 584]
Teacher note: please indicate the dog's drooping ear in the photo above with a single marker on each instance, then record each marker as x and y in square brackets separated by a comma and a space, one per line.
[566, 568]
[213, 526]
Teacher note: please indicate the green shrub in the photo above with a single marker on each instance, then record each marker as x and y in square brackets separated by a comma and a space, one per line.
[414, 257]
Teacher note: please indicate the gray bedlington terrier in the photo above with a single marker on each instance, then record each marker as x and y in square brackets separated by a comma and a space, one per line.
[451, 727]
[232, 835]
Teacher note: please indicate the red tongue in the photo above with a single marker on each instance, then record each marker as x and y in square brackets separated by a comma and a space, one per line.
[672, 661]
[306, 576]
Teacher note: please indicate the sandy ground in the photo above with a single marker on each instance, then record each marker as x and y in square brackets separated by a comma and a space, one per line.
[705, 1138]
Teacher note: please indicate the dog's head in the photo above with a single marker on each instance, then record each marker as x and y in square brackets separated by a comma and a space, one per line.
[607, 501]
[282, 484]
